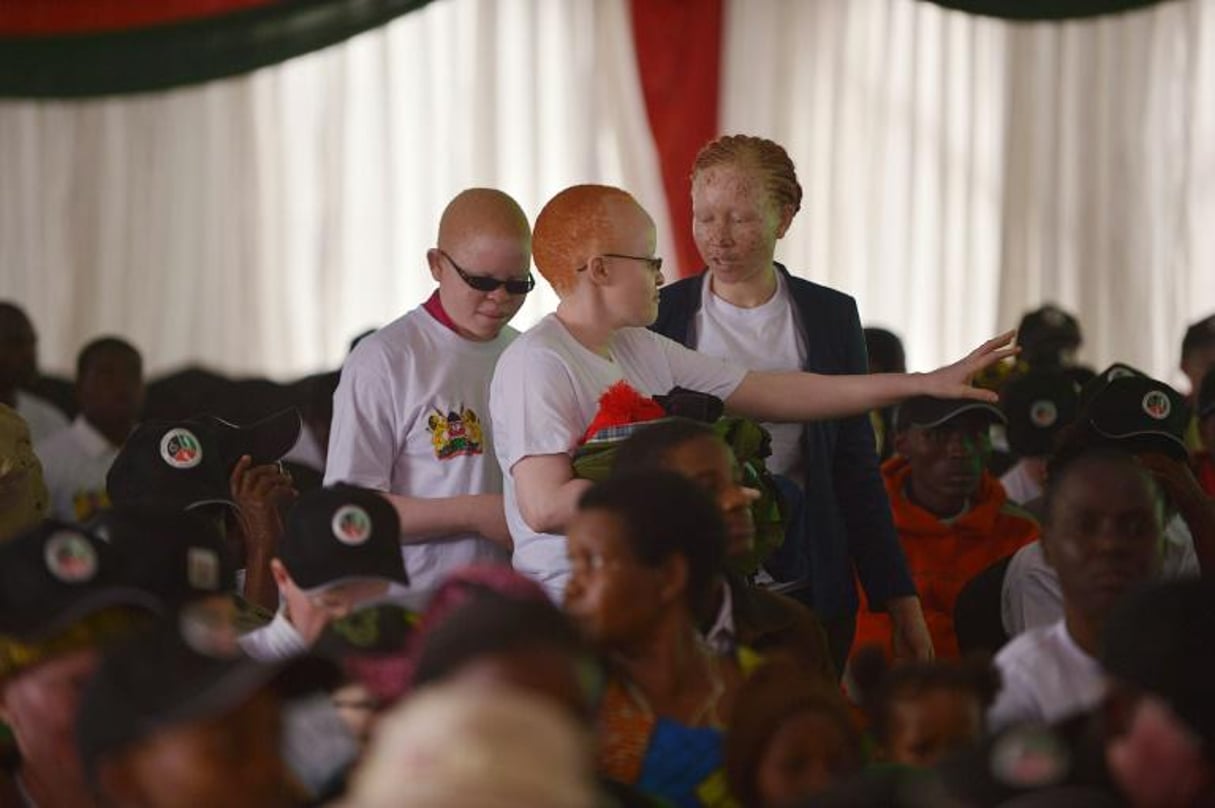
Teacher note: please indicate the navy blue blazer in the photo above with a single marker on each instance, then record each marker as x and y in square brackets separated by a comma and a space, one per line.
[848, 523]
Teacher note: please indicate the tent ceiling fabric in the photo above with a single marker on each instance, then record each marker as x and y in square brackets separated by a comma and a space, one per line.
[158, 57]
[1044, 10]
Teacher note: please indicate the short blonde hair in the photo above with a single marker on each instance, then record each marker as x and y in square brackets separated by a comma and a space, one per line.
[572, 227]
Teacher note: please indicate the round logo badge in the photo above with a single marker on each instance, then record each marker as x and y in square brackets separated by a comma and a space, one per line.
[1157, 405]
[351, 525]
[180, 449]
[70, 557]
[1043, 414]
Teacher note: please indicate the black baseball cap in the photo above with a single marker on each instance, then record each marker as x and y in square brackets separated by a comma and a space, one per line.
[176, 555]
[56, 574]
[189, 668]
[186, 464]
[1139, 412]
[341, 533]
[1038, 405]
[926, 412]
[1158, 639]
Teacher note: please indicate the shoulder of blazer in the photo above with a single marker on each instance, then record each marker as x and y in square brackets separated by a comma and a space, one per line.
[678, 303]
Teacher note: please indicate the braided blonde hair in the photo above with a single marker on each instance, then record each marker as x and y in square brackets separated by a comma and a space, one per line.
[766, 156]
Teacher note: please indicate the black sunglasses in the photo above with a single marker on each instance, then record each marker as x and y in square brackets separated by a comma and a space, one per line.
[654, 261]
[484, 283]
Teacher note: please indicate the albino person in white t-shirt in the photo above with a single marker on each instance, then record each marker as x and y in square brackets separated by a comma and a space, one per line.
[411, 414]
[1103, 534]
[595, 245]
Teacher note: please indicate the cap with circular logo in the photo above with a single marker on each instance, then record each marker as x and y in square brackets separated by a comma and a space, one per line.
[926, 412]
[1142, 413]
[1038, 405]
[341, 533]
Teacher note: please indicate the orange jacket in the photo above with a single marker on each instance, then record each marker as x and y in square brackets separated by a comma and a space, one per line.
[943, 557]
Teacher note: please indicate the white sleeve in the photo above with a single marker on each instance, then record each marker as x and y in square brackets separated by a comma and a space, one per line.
[362, 440]
[1015, 703]
[693, 370]
[534, 408]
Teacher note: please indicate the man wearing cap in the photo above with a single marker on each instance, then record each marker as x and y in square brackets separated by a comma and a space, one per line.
[952, 515]
[75, 460]
[340, 550]
[1037, 406]
[411, 412]
[216, 468]
[1103, 536]
[62, 598]
[1122, 408]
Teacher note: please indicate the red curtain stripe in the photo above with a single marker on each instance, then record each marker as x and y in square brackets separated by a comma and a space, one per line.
[678, 44]
[62, 17]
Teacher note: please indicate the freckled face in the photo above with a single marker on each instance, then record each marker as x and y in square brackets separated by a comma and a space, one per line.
[734, 222]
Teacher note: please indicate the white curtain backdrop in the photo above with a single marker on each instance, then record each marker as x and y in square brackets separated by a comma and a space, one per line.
[257, 224]
[959, 170]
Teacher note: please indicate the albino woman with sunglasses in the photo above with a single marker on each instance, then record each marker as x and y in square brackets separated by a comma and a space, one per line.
[595, 246]
[411, 414]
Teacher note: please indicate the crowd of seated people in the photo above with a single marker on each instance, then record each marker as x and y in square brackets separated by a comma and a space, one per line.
[669, 547]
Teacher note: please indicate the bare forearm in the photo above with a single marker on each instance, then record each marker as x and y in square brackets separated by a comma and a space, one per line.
[551, 511]
[260, 588]
[426, 518]
[793, 396]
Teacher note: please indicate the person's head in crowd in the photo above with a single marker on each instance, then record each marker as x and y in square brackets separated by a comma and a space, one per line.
[18, 351]
[458, 743]
[340, 549]
[1204, 410]
[178, 716]
[920, 712]
[1103, 534]
[1049, 338]
[745, 194]
[1123, 407]
[178, 556]
[693, 450]
[1038, 405]
[1198, 351]
[482, 261]
[110, 386]
[791, 736]
[594, 244]
[62, 599]
[1157, 650]
[527, 644]
[23, 496]
[885, 349]
[646, 551]
[946, 445]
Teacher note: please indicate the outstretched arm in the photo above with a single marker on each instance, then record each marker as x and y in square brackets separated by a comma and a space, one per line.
[796, 396]
[426, 519]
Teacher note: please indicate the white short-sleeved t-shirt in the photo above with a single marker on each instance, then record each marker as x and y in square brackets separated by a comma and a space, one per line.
[545, 393]
[411, 417]
[75, 461]
[1046, 677]
[765, 337]
[43, 418]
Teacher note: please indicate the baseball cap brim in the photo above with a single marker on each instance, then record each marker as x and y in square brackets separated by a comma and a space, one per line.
[265, 441]
[66, 613]
[933, 417]
[396, 585]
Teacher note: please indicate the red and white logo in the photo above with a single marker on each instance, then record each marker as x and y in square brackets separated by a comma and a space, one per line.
[351, 525]
[1043, 414]
[1157, 405]
[70, 557]
[181, 449]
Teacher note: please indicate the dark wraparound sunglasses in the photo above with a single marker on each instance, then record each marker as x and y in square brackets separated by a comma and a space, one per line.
[484, 283]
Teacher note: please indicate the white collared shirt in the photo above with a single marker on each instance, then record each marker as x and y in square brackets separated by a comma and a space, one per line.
[274, 641]
[43, 418]
[75, 461]
[1046, 677]
[722, 636]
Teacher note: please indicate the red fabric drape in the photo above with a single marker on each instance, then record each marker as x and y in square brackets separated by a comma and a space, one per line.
[678, 45]
[57, 17]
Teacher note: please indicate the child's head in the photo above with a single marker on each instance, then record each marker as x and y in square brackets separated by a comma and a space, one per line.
[920, 712]
[791, 736]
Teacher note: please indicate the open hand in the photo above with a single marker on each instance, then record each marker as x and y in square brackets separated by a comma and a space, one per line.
[953, 381]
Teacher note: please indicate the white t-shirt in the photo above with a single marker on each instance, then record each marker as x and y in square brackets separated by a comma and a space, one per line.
[766, 337]
[410, 416]
[1019, 485]
[1031, 595]
[43, 418]
[75, 461]
[545, 393]
[1046, 677]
